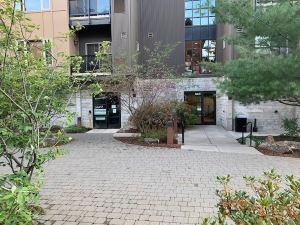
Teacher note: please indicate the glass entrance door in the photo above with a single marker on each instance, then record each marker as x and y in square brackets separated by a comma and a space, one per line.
[107, 112]
[205, 105]
[209, 108]
[100, 112]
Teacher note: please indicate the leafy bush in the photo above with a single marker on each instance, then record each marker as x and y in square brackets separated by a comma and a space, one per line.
[18, 197]
[62, 138]
[156, 134]
[187, 112]
[149, 117]
[74, 129]
[268, 202]
[155, 116]
[291, 127]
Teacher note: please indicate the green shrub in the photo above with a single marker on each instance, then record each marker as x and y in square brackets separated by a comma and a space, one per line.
[17, 199]
[62, 138]
[74, 129]
[255, 140]
[187, 112]
[156, 134]
[268, 202]
[291, 127]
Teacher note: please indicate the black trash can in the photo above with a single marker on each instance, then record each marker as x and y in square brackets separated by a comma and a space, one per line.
[240, 123]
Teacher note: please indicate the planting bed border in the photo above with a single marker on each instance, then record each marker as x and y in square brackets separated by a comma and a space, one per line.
[136, 141]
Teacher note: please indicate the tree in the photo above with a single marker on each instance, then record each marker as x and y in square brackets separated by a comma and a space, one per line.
[34, 90]
[143, 82]
[268, 63]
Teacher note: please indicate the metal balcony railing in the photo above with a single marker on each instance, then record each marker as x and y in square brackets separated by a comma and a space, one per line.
[93, 65]
[87, 8]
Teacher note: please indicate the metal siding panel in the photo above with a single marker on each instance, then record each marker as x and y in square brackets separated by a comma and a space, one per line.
[165, 19]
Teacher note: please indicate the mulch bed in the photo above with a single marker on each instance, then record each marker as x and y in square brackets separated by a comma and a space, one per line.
[137, 141]
[280, 138]
[266, 151]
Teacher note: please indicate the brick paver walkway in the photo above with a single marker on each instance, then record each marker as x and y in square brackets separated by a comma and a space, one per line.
[103, 181]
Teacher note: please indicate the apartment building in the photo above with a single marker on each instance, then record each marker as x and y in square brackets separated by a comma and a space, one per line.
[132, 25]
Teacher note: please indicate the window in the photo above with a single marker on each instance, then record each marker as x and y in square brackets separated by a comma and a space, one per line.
[119, 6]
[18, 6]
[200, 45]
[197, 52]
[99, 7]
[92, 48]
[199, 12]
[36, 5]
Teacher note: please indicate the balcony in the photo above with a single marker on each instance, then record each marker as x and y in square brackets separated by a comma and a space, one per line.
[94, 66]
[89, 12]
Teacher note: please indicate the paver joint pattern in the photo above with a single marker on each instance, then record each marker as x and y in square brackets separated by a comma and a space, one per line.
[103, 181]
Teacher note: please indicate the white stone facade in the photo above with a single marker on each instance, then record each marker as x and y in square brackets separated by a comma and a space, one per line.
[82, 106]
[269, 115]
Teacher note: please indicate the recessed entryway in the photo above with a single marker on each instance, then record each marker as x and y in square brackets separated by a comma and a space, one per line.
[107, 111]
[205, 103]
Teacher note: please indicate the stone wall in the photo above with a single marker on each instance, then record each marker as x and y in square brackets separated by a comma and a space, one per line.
[269, 115]
[224, 112]
[81, 104]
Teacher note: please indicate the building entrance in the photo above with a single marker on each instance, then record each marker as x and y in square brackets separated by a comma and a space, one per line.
[205, 103]
[107, 111]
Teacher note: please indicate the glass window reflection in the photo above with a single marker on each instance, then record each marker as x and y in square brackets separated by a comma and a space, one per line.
[199, 17]
[199, 8]
[197, 52]
[36, 5]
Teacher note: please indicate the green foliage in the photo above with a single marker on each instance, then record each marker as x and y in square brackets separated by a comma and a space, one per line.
[257, 140]
[63, 138]
[267, 202]
[291, 127]
[75, 129]
[160, 134]
[34, 90]
[187, 112]
[18, 196]
[268, 64]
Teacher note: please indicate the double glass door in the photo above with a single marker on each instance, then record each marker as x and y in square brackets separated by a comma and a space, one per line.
[107, 112]
[205, 105]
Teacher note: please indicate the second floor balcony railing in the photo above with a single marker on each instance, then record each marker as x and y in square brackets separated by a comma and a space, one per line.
[93, 65]
[87, 8]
